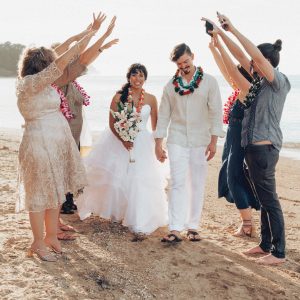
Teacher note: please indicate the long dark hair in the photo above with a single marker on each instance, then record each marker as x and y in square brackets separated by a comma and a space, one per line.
[133, 69]
[245, 73]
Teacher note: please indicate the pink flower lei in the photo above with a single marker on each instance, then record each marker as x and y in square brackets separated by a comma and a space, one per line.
[64, 105]
[228, 105]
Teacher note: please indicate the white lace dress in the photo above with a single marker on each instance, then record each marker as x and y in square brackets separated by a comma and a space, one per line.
[49, 162]
[121, 191]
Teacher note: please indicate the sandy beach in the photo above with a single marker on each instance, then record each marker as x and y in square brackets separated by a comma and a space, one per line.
[103, 262]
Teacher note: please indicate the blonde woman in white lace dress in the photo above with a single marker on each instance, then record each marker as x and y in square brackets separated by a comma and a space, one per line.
[49, 161]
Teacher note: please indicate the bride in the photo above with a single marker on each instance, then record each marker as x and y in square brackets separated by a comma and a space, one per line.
[120, 190]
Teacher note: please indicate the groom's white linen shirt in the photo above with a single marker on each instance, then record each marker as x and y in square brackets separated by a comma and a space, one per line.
[194, 118]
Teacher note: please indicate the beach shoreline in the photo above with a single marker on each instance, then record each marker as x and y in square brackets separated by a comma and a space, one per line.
[103, 263]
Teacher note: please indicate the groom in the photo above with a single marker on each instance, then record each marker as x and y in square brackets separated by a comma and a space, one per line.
[191, 111]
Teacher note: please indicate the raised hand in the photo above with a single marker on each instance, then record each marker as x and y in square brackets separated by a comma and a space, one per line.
[214, 42]
[110, 27]
[216, 29]
[98, 21]
[225, 22]
[109, 44]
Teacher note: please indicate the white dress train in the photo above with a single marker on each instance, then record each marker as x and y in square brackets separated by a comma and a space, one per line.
[122, 191]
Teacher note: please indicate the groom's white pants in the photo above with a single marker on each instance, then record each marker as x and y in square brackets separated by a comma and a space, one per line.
[188, 167]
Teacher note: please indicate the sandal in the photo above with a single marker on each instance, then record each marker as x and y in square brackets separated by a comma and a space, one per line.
[65, 227]
[246, 229]
[47, 256]
[63, 236]
[171, 239]
[193, 236]
[138, 237]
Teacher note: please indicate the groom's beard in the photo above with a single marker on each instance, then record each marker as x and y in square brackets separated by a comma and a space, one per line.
[186, 71]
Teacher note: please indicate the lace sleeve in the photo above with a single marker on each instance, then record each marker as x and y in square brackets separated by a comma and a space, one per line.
[33, 84]
[71, 72]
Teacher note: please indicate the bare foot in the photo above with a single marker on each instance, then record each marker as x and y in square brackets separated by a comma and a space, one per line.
[255, 251]
[270, 260]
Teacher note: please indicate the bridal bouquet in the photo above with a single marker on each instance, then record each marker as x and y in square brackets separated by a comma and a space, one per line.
[126, 124]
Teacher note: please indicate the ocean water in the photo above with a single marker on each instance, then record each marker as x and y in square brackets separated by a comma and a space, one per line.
[102, 89]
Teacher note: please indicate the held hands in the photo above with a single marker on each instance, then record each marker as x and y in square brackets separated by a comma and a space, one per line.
[160, 153]
[211, 151]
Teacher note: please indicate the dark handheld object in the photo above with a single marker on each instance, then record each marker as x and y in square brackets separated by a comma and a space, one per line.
[209, 27]
[224, 26]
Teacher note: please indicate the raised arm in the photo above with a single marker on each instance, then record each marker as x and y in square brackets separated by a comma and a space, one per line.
[95, 25]
[261, 62]
[240, 81]
[88, 56]
[234, 48]
[33, 84]
[219, 61]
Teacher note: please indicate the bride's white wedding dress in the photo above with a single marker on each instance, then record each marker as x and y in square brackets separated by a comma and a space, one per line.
[122, 191]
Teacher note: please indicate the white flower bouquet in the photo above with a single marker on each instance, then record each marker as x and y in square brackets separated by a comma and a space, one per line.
[126, 123]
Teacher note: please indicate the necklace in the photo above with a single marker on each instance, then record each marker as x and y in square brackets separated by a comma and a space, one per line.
[253, 92]
[183, 89]
[140, 101]
[228, 105]
[64, 105]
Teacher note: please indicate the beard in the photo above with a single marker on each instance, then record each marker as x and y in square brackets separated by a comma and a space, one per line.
[186, 70]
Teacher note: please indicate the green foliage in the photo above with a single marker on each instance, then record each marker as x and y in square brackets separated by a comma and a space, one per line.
[9, 56]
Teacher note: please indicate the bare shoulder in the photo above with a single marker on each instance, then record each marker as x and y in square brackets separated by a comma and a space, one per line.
[115, 100]
[150, 99]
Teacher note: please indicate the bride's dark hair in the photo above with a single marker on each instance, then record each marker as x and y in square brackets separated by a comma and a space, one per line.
[133, 69]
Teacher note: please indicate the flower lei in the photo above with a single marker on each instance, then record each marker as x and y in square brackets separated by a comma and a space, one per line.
[228, 105]
[140, 102]
[182, 89]
[253, 92]
[64, 105]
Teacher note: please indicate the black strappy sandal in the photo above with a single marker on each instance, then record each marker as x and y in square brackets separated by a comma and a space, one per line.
[191, 236]
[175, 239]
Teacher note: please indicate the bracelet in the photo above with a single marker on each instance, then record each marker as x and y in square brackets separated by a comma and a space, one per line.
[100, 50]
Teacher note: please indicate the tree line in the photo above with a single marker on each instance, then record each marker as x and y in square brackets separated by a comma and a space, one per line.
[9, 57]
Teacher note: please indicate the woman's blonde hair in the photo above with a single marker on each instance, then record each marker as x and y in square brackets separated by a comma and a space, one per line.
[34, 60]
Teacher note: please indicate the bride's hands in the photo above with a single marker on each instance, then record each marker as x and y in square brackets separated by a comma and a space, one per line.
[160, 153]
[127, 145]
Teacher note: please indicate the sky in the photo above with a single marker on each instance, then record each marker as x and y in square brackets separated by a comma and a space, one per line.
[149, 29]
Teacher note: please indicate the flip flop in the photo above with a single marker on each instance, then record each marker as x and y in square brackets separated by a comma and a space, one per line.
[191, 236]
[65, 227]
[63, 236]
[175, 239]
